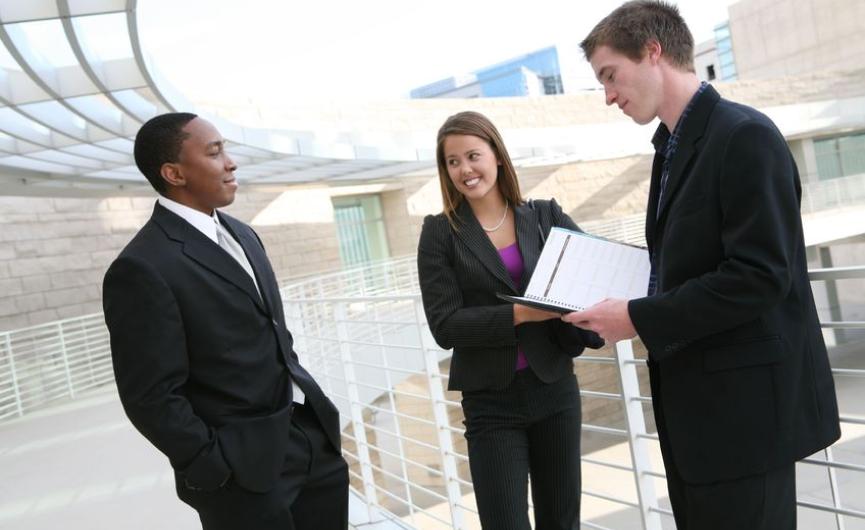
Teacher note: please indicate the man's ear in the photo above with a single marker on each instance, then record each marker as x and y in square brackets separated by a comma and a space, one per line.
[171, 174]
[653, 51]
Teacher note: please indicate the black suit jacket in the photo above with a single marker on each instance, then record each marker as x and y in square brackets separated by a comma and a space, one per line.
[739, 370]
[202, 362]
[460, 272]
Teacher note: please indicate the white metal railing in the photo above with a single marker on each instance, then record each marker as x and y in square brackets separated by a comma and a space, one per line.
[833, 193]
[374, 356]
[41, 364]
[363, 335]
[630, 229]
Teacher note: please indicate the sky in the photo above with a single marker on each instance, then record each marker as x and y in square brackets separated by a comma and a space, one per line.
[276, 52]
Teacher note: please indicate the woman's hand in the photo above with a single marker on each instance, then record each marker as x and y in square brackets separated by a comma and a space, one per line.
[524, 313]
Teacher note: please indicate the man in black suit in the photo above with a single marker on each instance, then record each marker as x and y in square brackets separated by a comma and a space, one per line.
[740, 378]
[203, 361]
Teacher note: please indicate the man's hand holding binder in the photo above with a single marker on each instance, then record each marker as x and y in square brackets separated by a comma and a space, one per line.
[589, 279]
[609, 319]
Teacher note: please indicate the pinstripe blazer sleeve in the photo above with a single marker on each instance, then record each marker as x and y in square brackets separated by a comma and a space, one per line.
[452, 323]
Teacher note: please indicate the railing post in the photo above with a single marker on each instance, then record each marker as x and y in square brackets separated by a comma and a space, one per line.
[636, 426]
[440, 416]
[355, 406]
[64, 354]
[15, 389]
[833, 488]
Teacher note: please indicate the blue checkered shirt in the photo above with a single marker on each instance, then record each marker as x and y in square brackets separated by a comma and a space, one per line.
[668, 150]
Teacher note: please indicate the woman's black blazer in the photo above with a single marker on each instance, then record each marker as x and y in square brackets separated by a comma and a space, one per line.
[460, 272]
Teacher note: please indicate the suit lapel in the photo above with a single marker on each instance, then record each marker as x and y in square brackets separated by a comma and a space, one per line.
[692, 130]
[205, 252]
[528, 239]
[471, 233]
[251, 247]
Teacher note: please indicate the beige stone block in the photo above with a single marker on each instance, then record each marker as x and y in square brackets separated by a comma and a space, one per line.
[41, 317]
[11, 287]
[50, 265]
[24, 205]
[8, 307]
[36, 284]
[43, 247]
[79, 278]
[12, 322]
[7, 251]
[79, 310]
[144, 203]
[121, 204]
[16, 232]
[30, 302]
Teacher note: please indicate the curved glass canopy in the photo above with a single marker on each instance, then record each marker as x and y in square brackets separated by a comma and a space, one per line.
[75, 88]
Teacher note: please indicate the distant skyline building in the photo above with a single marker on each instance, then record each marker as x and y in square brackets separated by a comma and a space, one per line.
[535, 74]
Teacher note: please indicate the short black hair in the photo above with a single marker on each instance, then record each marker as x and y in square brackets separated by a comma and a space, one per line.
[158, 142]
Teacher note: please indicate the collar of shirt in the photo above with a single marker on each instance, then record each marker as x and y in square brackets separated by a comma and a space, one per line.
[664, 142]
[206, 224]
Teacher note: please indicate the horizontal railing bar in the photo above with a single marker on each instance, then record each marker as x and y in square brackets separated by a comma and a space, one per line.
[602, 395]
[389, 368]
[848, 371]
[832, 509]
[405, 480]
[851, 419]
[412, 506]
[836, 273]
[833, 463]
[605, 430]
[607, 464]
[399, 414]
[462, 457]
[593, 526]
[662, 511]
[595, 359]
[855, 324]
[610, 498]
[404, 459]
[403, 437]
[392, 391]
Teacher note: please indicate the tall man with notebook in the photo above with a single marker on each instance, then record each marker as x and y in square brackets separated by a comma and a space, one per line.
[740, 378]
[204, 364]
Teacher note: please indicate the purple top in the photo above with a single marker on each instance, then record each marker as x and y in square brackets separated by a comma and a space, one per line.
[513, 261]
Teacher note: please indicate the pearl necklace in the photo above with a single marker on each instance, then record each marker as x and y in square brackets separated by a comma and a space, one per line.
[499, 225]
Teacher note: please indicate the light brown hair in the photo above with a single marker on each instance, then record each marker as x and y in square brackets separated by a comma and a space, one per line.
[632, 25]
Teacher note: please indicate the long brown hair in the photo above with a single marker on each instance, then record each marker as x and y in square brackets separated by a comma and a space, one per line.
[474, 124]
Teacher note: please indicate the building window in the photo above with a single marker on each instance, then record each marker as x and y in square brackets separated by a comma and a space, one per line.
[841, 156]
[553, 84]
[724, 45]
[360, 229]
[710, 72]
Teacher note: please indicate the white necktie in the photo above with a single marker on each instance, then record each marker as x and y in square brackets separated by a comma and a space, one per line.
[233, 248]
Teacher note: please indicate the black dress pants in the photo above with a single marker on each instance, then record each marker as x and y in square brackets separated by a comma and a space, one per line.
[311, 493]
[529, 428]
